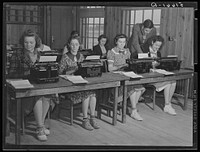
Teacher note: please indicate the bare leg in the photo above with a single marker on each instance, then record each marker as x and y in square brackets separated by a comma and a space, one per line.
[85, 105]
[45, 106]
[134, 99]
[92, 105]
[166, 94]
[38, 113]
[172, 89]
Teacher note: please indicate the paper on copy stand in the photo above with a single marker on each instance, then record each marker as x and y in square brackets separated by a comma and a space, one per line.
[48, 58]
[142, 55]
[93, 57]
[172, 56]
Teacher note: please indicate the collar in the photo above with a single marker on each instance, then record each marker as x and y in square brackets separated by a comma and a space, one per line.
[118, 51]
[71, 56]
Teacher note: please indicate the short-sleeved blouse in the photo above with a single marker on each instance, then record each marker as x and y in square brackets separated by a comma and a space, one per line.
[68, 62]
[118, 58]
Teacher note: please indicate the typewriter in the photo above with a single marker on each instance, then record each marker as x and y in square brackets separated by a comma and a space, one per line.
[142, 65]
[90, 68]
[169, 63]
[45, 71]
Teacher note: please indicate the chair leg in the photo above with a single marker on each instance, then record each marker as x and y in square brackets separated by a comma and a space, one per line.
[71, 112]
[23, 122]
[49, 117]
[154, 98]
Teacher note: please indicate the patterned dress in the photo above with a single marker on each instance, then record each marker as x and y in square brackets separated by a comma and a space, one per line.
[21, 63]
[119, 58]
[69, 63]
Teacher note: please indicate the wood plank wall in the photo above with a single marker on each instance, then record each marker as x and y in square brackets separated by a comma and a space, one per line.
[177, 25]
[112, 23]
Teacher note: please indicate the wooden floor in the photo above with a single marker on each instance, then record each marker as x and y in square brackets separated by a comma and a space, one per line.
[157, 129]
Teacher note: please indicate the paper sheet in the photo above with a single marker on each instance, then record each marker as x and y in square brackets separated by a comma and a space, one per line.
[48, 58]
[93, 57]
[163, 72]
[20, 84]
[75, 79]
[129, 74]
[142, 55]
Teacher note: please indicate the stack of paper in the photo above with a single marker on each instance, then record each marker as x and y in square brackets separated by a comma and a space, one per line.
[20, 84]
[163, 72]
[75, 79]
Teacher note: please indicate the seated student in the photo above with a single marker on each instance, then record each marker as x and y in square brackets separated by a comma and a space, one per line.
[68, 65]
[116, 61]
[153, 46]
[73, 33]
[101, 48]
[20, 68]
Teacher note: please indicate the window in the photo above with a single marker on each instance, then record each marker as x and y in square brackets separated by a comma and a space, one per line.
[131, 16]
[91, 25]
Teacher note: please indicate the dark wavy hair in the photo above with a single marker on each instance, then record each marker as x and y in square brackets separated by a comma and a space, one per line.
[155, 38]
[103, 36]
[30, 33]
[118, 36]
[72, 38]
[148, 23]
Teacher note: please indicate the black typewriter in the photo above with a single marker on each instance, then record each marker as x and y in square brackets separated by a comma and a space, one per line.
[169, 63]
[44, 72]
[90, 68]
[142, 65]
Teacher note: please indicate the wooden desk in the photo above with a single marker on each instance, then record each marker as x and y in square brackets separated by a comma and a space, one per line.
[107, 80]
[156, 77]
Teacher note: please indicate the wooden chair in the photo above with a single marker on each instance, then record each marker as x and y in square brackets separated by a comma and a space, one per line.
[71, 107]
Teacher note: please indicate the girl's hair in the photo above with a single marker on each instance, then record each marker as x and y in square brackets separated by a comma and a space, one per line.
[103, 36]
[74, 33]
[72, 38]
[155, 38]
[118, 36]
[30, 33]
[148, 24]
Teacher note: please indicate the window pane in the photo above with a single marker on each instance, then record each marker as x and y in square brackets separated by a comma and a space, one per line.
[102, 21]
[156, 16]
[90, 30]
[138, 16]
[147, 14]
[157, 30]
[127, 17]
[96, 30]
[90, 45]
[96, 20]
[132, 17]
[90, 20]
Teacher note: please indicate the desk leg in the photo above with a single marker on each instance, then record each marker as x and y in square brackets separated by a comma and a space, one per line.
[187, 81]
[18, 122]
[124, 104]
[115, 106]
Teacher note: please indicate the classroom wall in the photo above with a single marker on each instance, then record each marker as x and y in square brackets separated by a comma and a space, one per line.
[177, 26]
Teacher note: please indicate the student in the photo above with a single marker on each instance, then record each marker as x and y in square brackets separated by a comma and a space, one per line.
[140, 32]
[73, 33]
[101, 48]
[68, 65]
[24, 60]
[116, 61]
[153, 46]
